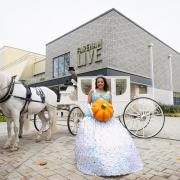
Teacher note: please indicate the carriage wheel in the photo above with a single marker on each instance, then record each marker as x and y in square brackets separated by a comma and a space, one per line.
[38, 123]
[143, 117]
[74, 117]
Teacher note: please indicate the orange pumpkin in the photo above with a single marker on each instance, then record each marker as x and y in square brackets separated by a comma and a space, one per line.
[102, 110]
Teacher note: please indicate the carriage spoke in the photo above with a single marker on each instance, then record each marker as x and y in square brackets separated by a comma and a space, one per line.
[132, 114]
[133, 110]
[132, 124]
[143, 128]
[138, 122]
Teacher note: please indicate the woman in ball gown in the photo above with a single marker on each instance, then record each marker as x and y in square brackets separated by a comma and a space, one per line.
[104, 148]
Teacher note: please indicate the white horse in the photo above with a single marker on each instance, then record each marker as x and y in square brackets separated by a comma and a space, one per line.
[13, 105]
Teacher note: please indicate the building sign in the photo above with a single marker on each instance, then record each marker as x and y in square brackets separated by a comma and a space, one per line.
[91, 53]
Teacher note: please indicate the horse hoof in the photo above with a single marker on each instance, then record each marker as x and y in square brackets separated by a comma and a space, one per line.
[48, 139]
[14, 148]
[38, 140]
[6, 146]
[20, 136]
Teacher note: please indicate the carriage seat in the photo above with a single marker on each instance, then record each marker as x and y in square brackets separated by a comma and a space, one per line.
[68, 90]
[70, 93]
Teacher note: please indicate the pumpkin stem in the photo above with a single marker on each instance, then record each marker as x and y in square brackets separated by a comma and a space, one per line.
[103, 106]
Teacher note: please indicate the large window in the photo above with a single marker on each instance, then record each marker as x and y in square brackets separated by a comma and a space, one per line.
[86, 85]
[60, 65]
[176, 98]
[121, 85]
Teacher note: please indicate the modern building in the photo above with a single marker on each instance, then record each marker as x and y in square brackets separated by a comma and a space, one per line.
[113, 45]
[25, 65]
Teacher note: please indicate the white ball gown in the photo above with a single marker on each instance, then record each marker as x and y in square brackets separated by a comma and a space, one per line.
[105, 149]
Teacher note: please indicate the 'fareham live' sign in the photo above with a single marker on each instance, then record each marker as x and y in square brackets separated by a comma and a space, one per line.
[91, 53]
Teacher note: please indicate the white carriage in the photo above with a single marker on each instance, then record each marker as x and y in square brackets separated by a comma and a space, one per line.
[143, 117]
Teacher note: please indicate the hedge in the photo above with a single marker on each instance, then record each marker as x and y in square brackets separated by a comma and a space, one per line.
[170, 108]
[2, 118]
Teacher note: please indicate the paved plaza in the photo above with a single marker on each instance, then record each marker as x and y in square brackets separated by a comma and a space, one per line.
[158, 155]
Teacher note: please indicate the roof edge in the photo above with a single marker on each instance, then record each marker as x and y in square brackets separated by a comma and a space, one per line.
[113, 9]
[82, 25]
[21, 50]
[145, 30]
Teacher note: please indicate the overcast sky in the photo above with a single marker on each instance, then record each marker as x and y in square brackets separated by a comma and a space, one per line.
[31, 24]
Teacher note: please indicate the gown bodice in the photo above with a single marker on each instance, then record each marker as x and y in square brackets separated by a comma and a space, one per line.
[97, 95]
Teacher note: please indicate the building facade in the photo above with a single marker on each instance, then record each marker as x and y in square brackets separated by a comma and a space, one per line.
[25, 65]
[113, 45]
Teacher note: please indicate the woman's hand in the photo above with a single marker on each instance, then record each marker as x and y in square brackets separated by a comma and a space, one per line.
[90, 96]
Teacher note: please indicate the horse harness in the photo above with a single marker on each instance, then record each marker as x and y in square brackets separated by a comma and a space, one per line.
[9, 92]
[28, 99]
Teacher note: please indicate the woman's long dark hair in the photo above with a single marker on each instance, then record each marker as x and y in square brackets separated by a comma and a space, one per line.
[105, 83]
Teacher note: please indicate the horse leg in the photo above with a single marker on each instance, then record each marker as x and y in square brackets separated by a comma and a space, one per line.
[8, 142]
[24, 123]
[16, 131]
[44, 121]
[49, 133]
[52, 116]
[21, 121]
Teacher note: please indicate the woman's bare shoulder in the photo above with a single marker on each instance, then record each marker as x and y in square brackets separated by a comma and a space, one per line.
[109, 91]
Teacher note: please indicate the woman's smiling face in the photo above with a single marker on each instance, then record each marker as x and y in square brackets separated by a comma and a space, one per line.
[100, 83]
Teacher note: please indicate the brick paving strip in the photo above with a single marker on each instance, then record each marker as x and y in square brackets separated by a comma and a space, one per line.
[158, 155]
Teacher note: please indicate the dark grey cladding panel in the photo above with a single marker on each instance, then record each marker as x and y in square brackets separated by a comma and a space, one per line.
[104, 72]
[95, 72]
[52, 82]
[133, 78]
[62, 80]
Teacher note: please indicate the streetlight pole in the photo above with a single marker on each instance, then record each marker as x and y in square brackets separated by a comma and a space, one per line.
[152, 67]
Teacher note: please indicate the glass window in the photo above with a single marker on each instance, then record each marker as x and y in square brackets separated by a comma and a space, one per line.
[176, 98]
[55, 67]
[66, 62]
[60, 65]
[121, 85]
[86, 85]
[142, 89]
